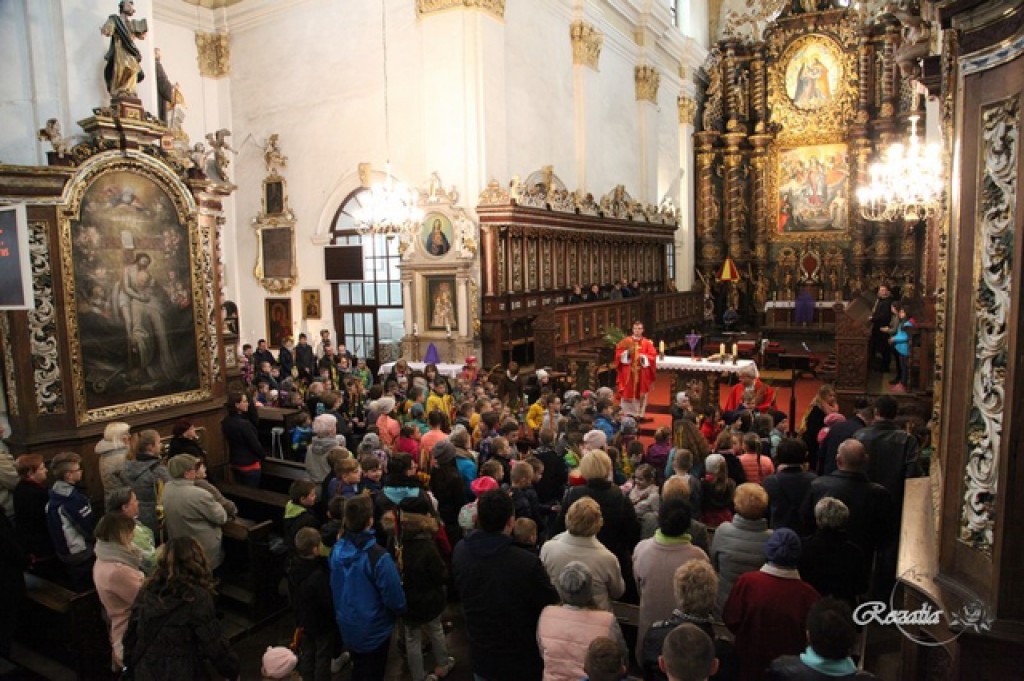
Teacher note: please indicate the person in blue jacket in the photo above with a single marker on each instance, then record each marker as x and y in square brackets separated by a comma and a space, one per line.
[367, 591]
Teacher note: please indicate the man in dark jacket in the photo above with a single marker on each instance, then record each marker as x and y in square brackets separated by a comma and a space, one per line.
[244, 449]
[871, 525]
[892, 452]
[503, 590]
[881, 318]
[893, 456]
[309, 588]
[788, 486]
[305, 360]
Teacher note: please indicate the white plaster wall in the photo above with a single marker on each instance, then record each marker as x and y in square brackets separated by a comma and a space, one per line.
[53, 68]
[539, 77]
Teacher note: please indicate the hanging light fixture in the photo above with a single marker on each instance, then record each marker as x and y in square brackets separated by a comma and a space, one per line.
[906, 184]
[391, 209]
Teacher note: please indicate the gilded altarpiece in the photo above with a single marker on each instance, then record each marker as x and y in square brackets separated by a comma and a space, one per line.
[787, 129]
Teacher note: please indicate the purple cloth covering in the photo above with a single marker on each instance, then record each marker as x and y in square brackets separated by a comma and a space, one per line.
[433, 358]
[804, 312]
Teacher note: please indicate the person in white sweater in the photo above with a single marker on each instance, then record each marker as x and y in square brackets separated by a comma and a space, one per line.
[579, 543]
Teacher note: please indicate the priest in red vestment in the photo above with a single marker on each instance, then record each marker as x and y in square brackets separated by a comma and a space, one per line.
[635, 361]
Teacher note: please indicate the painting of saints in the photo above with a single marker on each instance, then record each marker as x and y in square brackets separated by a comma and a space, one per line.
[441, 310]
[813, 74]
[813, 186]
[812, 88]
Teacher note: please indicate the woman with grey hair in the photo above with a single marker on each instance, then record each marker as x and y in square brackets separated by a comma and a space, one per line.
[830, 562]
[325, 438]
[564, 632]
[112, 451]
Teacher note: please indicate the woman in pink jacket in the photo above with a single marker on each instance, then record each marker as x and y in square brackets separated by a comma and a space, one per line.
[564, 632]
[117, 574]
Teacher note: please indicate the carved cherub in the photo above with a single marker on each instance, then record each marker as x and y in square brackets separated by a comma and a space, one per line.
[198, 156]
[219, 145]
[52, 133]
[272, 156]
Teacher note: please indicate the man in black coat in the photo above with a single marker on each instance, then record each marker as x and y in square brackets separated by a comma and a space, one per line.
[871, 526]
[788, 486]
[305, 360]
[893, 453]
[881, 318]
[503, 590]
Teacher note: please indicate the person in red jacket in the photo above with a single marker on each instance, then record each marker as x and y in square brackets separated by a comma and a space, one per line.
[767, 609]
[635, 361]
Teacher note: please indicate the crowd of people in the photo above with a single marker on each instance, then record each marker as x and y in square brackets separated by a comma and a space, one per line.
[534, 511]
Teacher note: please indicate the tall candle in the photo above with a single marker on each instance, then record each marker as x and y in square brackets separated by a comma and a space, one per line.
[734, 353]
[661, 347]
[721, 350]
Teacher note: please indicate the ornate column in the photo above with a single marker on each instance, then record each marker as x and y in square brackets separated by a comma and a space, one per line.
[709, 207]
[860, 147]
[647, 79]
[733, 191]
[758, 91]
[686, 234]
[759, 199]
[586, 53]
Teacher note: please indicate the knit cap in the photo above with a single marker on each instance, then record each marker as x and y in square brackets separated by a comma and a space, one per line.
[181, 464]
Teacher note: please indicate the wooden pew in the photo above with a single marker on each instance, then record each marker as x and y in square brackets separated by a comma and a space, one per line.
[65, 625]
[278, 474]
[254, 503]
[252, 572]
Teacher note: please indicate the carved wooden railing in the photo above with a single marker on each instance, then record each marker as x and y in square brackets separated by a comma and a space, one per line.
[571, 337]
[853, 337]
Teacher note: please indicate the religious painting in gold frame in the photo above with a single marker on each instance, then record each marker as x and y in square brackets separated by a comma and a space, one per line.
[133, 267]
[812, 192]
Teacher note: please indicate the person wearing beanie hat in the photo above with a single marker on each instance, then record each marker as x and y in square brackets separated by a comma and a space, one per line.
[448, 488]
[767, 609]
[191, 511]
[179, 465]
[278, 663]
[387, 426]
[564, 632]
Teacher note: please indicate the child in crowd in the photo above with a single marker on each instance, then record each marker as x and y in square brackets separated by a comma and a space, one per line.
[408, 440]
[467, 514]
[302, 435]
[333, 479]
[830, 420]
[711, 424]
[756, 464]
[501, 451]
[901, 344]
[717, 490]
[309, 589]
[372, 473]
[643, 492]
[523, 495]
[330, 530]
[657, 452]
[298, 512]
[350, 475]
[524, 535]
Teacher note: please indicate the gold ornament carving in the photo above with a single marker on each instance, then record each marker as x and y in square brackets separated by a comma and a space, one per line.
[802, 104]
[586, 44]
[213, 54]
[494, 7]
[647, 80]
[687, 109]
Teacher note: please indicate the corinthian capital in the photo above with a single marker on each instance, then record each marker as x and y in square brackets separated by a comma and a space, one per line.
[586, 44]
[687, 109]
[647, 80]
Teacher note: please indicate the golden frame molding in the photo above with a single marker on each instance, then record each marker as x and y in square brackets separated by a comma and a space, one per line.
[200, 272]
[495, 8]
[831, 119]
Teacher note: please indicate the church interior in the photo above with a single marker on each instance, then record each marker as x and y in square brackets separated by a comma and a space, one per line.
[821, 193]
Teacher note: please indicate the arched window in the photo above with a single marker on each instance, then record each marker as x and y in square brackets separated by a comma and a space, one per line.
[367, 304]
